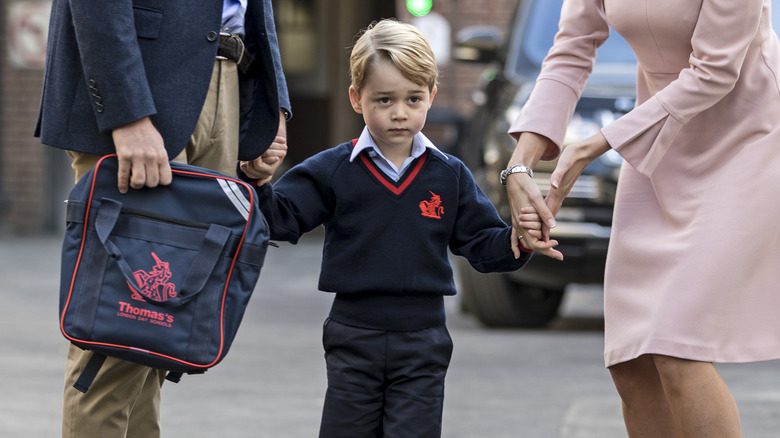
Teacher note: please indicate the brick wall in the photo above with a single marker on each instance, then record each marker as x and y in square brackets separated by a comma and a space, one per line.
[459, 80]
[24, 182]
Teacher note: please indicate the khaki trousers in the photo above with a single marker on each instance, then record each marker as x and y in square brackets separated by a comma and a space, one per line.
[124, 399]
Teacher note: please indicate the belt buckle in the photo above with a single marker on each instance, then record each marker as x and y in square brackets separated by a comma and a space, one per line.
[223, 35]
[240, 43]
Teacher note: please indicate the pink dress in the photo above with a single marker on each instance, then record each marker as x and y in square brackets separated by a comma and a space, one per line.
[693, 268]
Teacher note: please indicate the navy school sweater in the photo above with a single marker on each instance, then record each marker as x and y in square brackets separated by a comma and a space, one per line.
[386, 243]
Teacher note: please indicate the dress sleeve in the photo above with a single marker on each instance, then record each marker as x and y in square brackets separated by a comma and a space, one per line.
[723, 33]
[582, 29]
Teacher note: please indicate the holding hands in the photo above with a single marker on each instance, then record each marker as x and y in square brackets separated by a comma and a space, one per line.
[533, 215]
[263, 167]
[531, 219]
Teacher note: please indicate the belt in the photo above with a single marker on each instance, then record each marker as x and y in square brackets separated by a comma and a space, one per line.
[232, 47]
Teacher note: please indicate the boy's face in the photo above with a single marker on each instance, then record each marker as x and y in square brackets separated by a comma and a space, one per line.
[393, 107]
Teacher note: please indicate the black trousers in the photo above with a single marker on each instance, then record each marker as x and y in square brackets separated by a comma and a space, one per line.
[384, 384]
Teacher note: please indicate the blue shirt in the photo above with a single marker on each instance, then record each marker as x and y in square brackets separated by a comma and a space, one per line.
[419, 144]
[233, 12]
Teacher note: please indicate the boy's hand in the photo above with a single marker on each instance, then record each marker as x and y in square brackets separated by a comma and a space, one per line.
[532, 239]
[263, 167]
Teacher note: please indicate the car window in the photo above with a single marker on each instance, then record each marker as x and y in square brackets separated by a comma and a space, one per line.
[538, 22]
[542, 24]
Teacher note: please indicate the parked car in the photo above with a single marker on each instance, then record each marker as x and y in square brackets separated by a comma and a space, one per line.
[531, 296]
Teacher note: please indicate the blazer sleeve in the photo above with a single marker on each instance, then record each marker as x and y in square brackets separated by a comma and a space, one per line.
[720, 41]
[263, 87]
[273, 42]
[565, 70]
[111, 59]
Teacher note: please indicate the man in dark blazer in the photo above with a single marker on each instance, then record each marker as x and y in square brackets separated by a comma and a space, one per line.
[197, 81]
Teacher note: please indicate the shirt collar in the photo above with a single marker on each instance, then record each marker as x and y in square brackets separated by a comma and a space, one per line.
[419, 144]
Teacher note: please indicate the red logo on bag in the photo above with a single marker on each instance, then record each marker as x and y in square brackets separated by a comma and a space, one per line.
[127, 310]
[154, 284]
[432, 208]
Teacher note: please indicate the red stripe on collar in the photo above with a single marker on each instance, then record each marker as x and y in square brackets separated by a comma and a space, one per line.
[388, 184]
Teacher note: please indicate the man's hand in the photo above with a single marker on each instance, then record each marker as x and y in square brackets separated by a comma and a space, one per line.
[143, 160]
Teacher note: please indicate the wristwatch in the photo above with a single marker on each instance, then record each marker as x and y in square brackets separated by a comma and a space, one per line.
[519, 168]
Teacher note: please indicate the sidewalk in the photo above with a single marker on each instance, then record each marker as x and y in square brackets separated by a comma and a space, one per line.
[502, 383]
[33, 348]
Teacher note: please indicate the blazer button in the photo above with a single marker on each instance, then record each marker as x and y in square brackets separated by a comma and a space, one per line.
[99, 108]
[212, 36]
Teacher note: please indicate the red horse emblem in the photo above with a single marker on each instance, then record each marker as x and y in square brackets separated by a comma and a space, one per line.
[154, 284]
[432, 208]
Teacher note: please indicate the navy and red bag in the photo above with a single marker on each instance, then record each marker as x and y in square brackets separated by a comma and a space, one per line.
[159, 276]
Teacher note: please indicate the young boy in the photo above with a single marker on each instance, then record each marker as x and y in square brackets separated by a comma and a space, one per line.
[392, 205]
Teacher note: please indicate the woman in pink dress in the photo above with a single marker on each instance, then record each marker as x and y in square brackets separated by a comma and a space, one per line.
[693, 268]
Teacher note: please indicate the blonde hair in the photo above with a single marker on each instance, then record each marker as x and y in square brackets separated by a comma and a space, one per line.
[400, 43]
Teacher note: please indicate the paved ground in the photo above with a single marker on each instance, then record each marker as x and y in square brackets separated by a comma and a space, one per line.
[502, 383]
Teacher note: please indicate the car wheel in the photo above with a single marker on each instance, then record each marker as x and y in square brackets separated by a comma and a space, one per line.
[498, 301]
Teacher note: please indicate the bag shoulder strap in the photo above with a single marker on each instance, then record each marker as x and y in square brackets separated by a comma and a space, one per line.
[94, 364]
[87, 375]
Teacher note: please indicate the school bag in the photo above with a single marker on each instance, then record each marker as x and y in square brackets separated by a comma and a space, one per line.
[159, 276]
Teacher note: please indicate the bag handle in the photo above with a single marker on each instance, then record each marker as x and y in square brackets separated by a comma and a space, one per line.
[199, 272]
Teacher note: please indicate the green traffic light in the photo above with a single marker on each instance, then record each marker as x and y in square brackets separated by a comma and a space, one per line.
[419, 7]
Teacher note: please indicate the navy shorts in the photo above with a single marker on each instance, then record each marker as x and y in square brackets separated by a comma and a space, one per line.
[384, 384]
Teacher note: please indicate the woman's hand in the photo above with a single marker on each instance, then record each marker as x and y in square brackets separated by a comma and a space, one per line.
[523, 192]
[571, 163]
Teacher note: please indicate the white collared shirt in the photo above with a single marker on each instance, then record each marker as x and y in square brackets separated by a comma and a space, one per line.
[419, 144]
